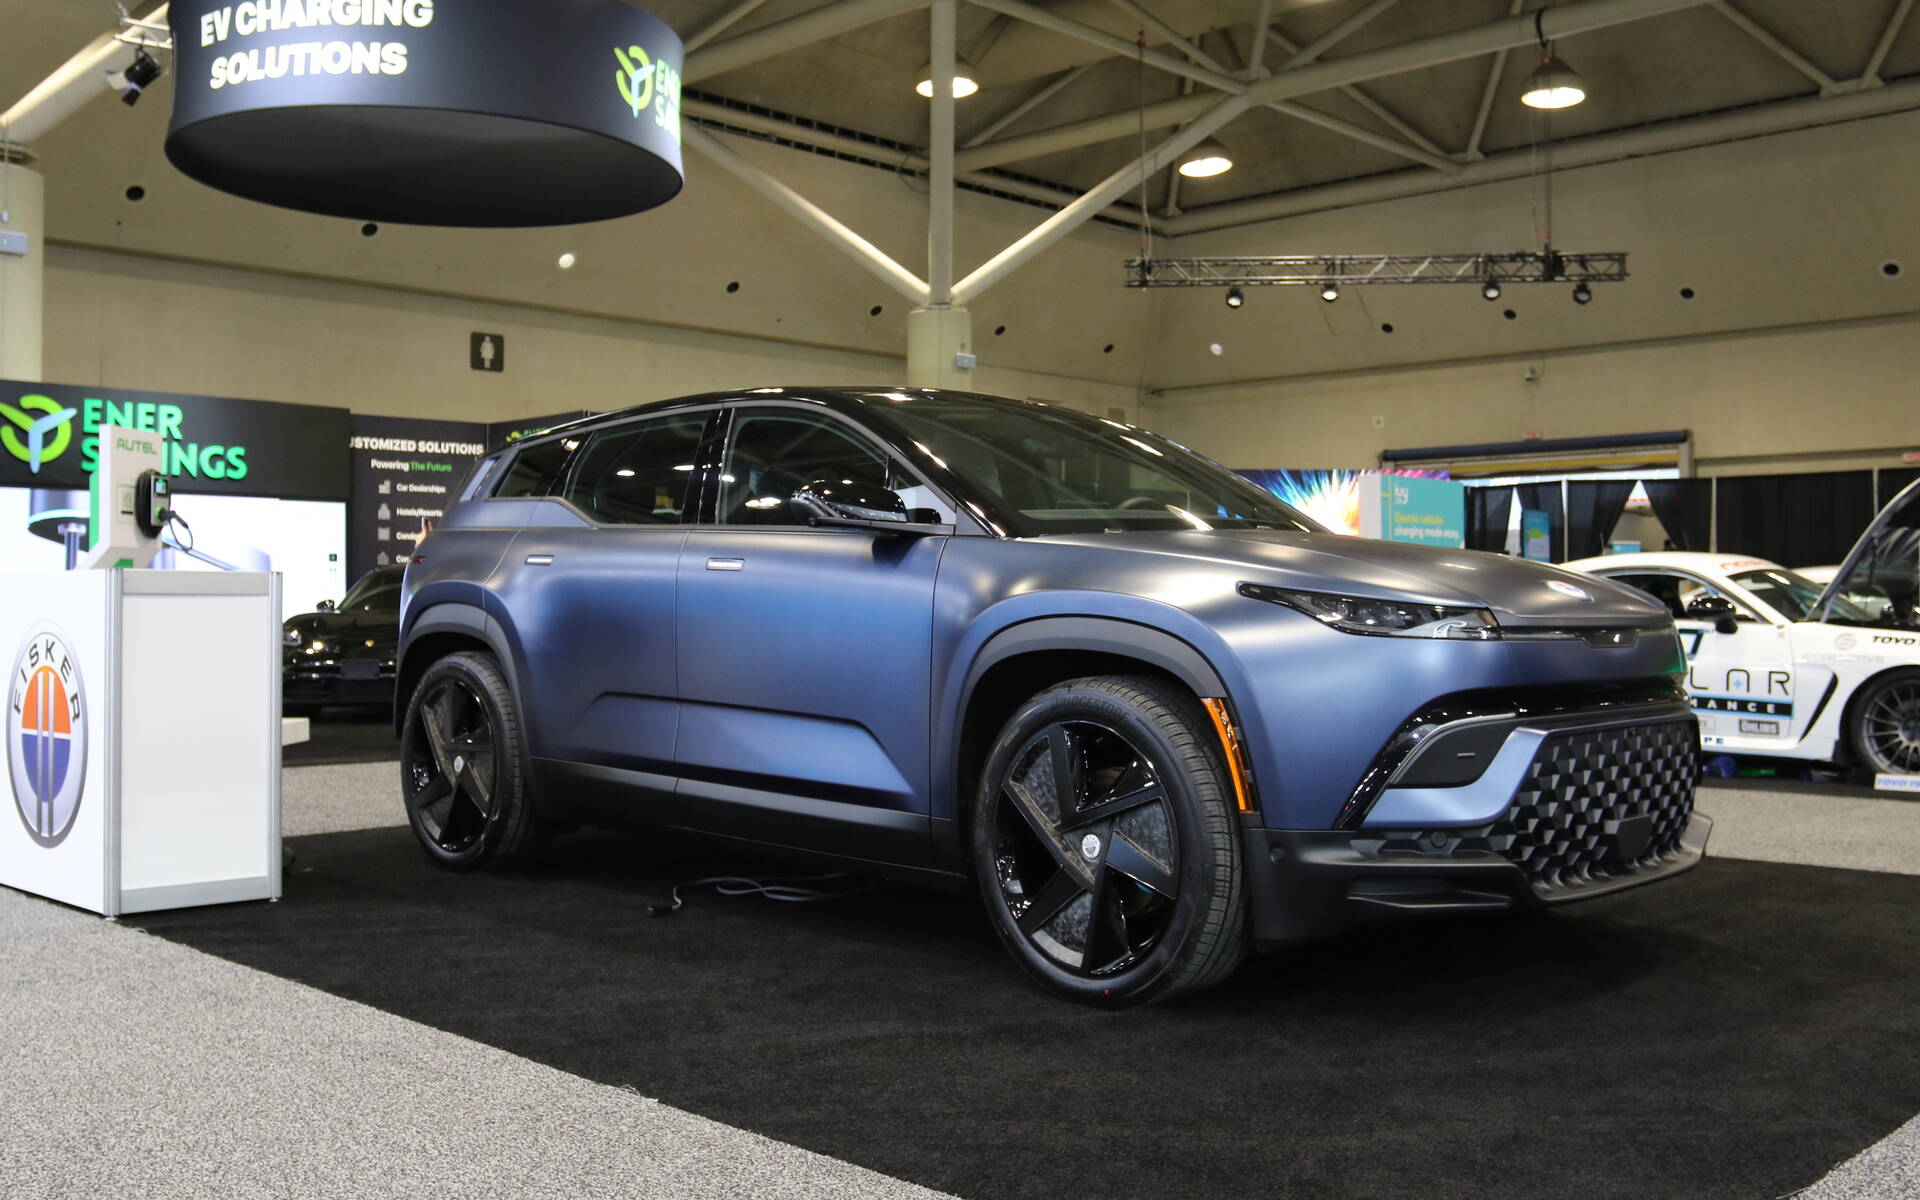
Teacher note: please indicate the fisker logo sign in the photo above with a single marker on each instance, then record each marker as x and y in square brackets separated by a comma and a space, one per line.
[47, 736]
[1567, 589]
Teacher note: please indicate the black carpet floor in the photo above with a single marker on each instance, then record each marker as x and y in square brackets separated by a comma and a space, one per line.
[345, 735]
[1731, 1034]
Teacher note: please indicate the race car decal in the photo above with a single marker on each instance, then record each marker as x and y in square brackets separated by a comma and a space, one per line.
[1743, 704]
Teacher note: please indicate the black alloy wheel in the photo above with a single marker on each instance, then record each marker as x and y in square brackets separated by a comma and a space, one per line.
[1886, 724]
[460, 766]
[1103, 845]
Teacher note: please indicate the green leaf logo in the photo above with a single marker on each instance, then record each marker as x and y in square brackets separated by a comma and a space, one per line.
[35, 440]
[634, 78]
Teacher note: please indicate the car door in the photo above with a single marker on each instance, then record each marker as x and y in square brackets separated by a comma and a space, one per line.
[587, 587]
[1742, 683]
[804, 652]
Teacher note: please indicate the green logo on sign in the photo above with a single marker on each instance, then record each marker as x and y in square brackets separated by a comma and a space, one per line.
[35, 440]
[645, 81]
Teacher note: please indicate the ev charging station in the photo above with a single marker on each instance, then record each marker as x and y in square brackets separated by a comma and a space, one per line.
[142, 726]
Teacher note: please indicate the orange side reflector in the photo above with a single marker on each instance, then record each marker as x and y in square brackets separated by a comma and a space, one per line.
[1236, 754]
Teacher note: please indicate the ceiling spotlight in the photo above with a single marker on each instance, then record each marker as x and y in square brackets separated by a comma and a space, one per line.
[1553, 84]
[143, 70]
[1207, 159]
[1490, 290]
[1582, 294]
[1235, 297]
[964, 83]
[1329, 292]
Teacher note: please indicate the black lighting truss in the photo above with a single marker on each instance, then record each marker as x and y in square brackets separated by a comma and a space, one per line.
[1547, 266]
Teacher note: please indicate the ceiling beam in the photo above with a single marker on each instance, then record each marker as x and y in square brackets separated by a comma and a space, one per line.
[1828, 84]
[1261, 23]
[1052, 89]
[1220, 110]
[1312, 51]
[1354, 93]
[722, 118]
[1562, 20]
[1895, 23]
[1786, 116]
[1495, 72]
[816, 25]
[719, 25]
[807, 213]
[1172, 36]
[1033, 15]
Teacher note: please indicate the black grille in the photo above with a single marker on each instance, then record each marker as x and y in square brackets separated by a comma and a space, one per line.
[1562, 826]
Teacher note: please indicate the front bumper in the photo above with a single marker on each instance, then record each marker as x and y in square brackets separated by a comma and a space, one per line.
[1305, 884]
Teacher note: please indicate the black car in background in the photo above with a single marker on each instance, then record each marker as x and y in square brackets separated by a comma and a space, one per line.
[343, 654]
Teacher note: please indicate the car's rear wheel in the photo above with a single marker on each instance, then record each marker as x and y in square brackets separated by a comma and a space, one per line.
[462, 770]
[1886, 724]
[1104, 846]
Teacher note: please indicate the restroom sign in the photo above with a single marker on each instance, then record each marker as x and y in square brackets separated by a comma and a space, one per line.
[488, 352]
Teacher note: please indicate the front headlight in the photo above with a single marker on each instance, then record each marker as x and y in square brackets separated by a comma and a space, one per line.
[290, 637]
[1383, 618]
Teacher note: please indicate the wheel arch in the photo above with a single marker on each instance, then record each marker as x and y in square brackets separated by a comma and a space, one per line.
[1027, 658]
[437, 632]
[1844, 743]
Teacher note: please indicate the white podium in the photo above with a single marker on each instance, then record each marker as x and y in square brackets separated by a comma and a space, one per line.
[142, 738]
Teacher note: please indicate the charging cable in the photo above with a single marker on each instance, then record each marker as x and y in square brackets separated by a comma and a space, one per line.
[789, 890]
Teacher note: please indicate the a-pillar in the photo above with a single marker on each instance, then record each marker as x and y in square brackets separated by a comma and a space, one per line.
[936, 340]
[22, 280]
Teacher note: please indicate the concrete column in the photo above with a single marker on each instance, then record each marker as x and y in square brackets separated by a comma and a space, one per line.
[934, 337]
[22, 276]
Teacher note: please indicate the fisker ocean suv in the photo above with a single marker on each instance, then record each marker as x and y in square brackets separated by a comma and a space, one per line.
[1153, 715]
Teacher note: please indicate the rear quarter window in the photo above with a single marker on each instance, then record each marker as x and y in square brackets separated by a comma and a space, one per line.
[534, 469]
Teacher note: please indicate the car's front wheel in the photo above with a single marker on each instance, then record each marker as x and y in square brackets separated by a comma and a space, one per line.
[462, 771]
[1104, 845]
[1886, 724]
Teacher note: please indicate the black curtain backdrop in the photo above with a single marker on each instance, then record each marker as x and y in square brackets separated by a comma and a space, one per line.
[1488, 511]
[1795, 520]
[1684, 508]
[1593, 508]
[1547, 496]
[1892, 480]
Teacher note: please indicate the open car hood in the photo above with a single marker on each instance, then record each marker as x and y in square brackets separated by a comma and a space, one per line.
[1886, 560]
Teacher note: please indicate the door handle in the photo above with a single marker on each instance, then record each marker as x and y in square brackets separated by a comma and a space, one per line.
[539, 560]
[726, 564]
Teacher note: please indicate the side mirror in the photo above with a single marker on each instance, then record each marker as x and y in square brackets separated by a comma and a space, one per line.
[856, 504]
[1717, 609]
[324, 606]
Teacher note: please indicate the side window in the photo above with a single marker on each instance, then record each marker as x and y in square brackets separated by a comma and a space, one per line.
[775, 452]
[533, 471]
[479, 476]
[638, 474]
[1664, 588]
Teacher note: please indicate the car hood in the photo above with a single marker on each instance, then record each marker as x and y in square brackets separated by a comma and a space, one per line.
[352, 629]
[1519, 592]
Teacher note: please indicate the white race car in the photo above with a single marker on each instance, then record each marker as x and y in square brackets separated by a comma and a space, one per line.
[1782, 666]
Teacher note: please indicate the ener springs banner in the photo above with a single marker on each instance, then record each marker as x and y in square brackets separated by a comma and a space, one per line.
[48, 440]
[430, 112]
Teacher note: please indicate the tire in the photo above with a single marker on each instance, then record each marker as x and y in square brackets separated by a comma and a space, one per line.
[463, 769]
[1884, 725]
[1129, 893]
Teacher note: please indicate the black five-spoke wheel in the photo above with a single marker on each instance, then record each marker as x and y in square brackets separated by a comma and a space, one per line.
[1085, 850]
[1103, 845]
[1886, 733]
[460, 766]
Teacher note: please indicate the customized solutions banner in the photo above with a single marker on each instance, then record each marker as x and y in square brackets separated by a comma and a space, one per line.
[449, 113]
[404, 475]
[48, 440]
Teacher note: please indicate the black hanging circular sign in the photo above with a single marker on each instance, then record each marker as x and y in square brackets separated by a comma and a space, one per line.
[461, 112]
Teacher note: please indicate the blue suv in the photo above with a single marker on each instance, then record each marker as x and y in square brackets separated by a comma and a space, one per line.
[1153, 715]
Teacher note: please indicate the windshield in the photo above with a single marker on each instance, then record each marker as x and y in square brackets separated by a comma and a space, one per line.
[1049, 470]
[1880, 582]
[377, 592]
[1793, 596]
